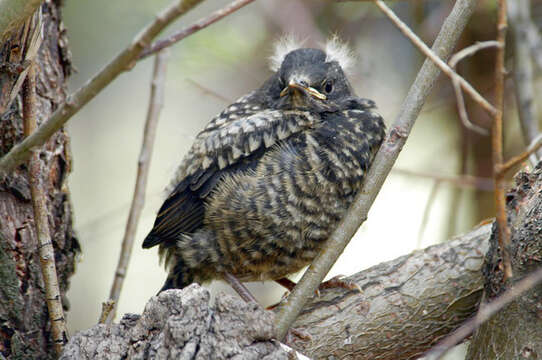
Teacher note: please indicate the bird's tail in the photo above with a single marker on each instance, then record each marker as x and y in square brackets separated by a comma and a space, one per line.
[179, 276]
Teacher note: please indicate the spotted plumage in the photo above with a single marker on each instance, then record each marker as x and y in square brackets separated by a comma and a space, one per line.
[269, 178]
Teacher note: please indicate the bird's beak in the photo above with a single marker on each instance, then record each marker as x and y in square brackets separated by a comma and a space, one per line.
[294, 85]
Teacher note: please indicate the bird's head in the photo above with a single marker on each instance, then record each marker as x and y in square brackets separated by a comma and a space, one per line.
[309, 79]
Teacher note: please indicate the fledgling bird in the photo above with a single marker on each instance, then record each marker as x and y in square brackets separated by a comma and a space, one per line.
[270, 177]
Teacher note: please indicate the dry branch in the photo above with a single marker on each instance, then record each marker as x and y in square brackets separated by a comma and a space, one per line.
[433, 56]
[384, 160]
[534, 146]
[407, 303]
[497, 141]
[124, 61]
[41, 220]
[156, 103]
[485, 312]
[460, 55]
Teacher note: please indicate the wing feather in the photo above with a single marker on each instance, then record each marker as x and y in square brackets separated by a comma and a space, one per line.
[233, 141]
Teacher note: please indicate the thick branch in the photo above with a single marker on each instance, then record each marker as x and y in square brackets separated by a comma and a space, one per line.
[385, 158]
[405, 306]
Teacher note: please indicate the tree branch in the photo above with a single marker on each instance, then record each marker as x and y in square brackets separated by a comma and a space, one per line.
[155, 106]
[534, 146]
[485, 312]
[431, 54]
[384, 160]
[497, 142]
[124, 61]
[404, 307]
[462, 110]
[41, 220]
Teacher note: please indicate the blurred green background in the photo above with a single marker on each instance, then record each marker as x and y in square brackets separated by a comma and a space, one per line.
[215, 66]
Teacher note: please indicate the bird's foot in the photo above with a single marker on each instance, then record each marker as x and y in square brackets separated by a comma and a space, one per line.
[294, 333]
[339, 281]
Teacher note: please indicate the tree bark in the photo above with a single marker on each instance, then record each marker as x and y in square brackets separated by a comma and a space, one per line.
[407, 304]
[516, 331]
[24, 321]
[182, 324]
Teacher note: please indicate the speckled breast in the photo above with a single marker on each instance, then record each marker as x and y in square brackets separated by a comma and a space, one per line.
[272, 220]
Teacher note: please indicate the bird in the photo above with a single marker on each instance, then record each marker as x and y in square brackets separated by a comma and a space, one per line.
[270, 177]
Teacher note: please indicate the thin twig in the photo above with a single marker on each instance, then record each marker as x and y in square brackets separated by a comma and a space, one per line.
[460, 55]
[520, 17]
[198, 25]
[41, 220]
[124, 61]
[535, 145]
[107, 307]
[467, 87]
[485, 312]
[155, 106]
[384, 160]
[471, 50]
[465, 181]
[497, 143]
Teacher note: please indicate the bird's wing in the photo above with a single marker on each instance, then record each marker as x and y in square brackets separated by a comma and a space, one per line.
[234, 140]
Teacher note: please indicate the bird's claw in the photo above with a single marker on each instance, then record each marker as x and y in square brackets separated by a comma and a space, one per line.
[339, 281]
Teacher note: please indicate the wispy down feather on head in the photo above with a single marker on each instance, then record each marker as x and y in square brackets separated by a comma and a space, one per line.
[282, 47]
[335, 49]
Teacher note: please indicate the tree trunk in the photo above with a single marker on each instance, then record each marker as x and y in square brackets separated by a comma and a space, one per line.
[24, 322]
[515, 332]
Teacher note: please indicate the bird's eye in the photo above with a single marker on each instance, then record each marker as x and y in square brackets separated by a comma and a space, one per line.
[328, 87]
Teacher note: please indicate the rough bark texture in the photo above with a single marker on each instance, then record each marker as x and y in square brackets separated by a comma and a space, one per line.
[181, 324]
[24, 323]
[516, 331]
[407, 304]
